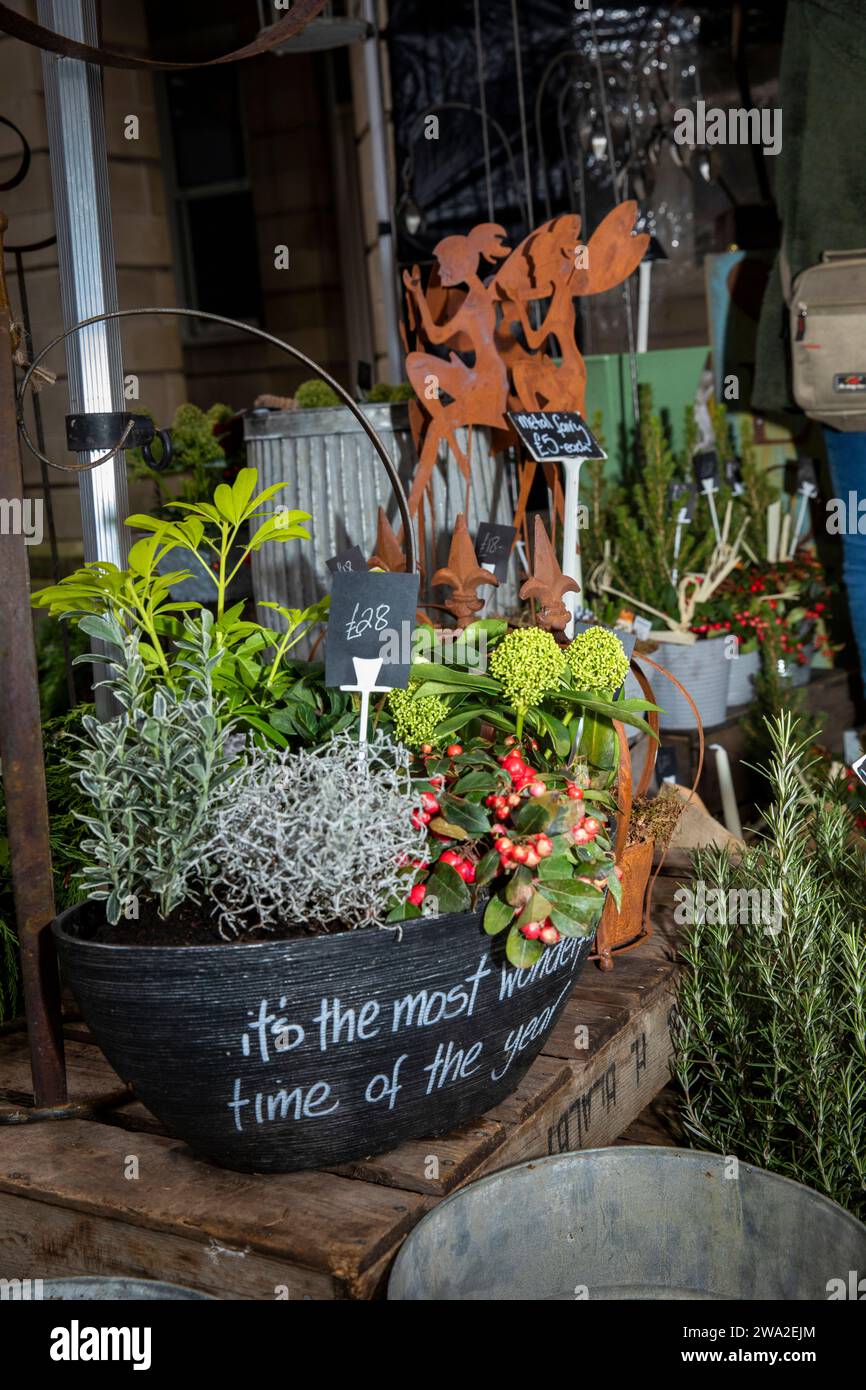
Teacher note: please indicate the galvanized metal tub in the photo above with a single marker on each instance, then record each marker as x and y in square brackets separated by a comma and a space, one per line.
[741, 689]
[630, 1223]
[108, 1289]
[333, 473]
[704, 669]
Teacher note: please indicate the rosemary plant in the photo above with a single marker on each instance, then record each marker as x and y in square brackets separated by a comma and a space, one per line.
[770, 1045]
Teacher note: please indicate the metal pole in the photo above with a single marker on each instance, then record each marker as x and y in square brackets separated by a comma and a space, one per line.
[46, 481]
[88, 285]
[617, 198]
[382, 194]
[479, 62]
[521, 106]
[21, 754]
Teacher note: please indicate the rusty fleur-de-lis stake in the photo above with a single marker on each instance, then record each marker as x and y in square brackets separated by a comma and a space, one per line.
[548, 585]
[463, 576]
[388, 554]
[390, 557]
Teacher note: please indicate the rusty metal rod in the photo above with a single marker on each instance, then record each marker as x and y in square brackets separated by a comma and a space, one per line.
[21, 754]
[71, 1110]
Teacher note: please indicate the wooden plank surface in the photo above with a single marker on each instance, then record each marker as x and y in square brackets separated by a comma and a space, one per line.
[317, 1221]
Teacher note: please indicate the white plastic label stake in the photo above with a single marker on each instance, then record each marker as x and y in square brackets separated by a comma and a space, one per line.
[366, 670]
[571, 564]
[709, 492]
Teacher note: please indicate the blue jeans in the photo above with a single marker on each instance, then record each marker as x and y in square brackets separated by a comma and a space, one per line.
[846, 453]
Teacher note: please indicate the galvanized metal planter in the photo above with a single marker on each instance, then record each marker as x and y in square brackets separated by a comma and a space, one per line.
[705, 670]
[110, 1289]
[332, 472]
[741, 689]
[282, 1055]
[630, 1223]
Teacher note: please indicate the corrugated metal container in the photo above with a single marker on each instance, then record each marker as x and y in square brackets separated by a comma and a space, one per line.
[703, 669]
[332, 472]
[631, 1223]
[741, 690]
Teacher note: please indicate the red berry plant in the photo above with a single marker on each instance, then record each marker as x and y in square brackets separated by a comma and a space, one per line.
[518, 764]
[532, 842]
[791, 600]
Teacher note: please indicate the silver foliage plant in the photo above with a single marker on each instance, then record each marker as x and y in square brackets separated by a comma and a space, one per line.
[153, 774]
[316, 838]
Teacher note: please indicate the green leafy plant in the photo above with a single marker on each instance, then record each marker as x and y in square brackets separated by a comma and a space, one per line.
[528, 688]
[641, 559]
[11, 999]
[316, 395]
[54, 695]
[641, 524]
[139, 596]
[385, 393]
[771, 1038]
[775, 695]
[218, 526]
[257, 681]
[196, 454]
[151, 775]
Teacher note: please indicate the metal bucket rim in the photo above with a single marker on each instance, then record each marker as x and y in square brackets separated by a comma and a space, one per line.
[626, 1154]
[100, 1281]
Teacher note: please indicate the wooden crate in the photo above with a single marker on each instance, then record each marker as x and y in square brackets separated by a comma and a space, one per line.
[118, 1196]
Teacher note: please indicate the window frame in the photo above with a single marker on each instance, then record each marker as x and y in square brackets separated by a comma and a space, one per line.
[197, 332]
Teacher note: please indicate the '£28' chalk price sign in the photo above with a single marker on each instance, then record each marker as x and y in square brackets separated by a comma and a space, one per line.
[369, 641]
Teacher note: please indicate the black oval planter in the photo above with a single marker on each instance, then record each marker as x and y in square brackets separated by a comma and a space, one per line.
[281, 1055]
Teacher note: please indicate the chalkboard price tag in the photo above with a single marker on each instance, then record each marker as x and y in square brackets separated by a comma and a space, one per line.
[734, 475]
[683, 498]
[706, 467]
[493, 548]
[349, 561]
[372, 616]
[666, 765]
[807, 477]
[555, 434]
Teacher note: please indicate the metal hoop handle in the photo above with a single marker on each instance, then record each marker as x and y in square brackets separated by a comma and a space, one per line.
[21, 172]
[387, 462]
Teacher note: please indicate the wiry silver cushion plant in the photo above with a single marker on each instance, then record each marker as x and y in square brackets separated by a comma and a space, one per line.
[314, 839]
